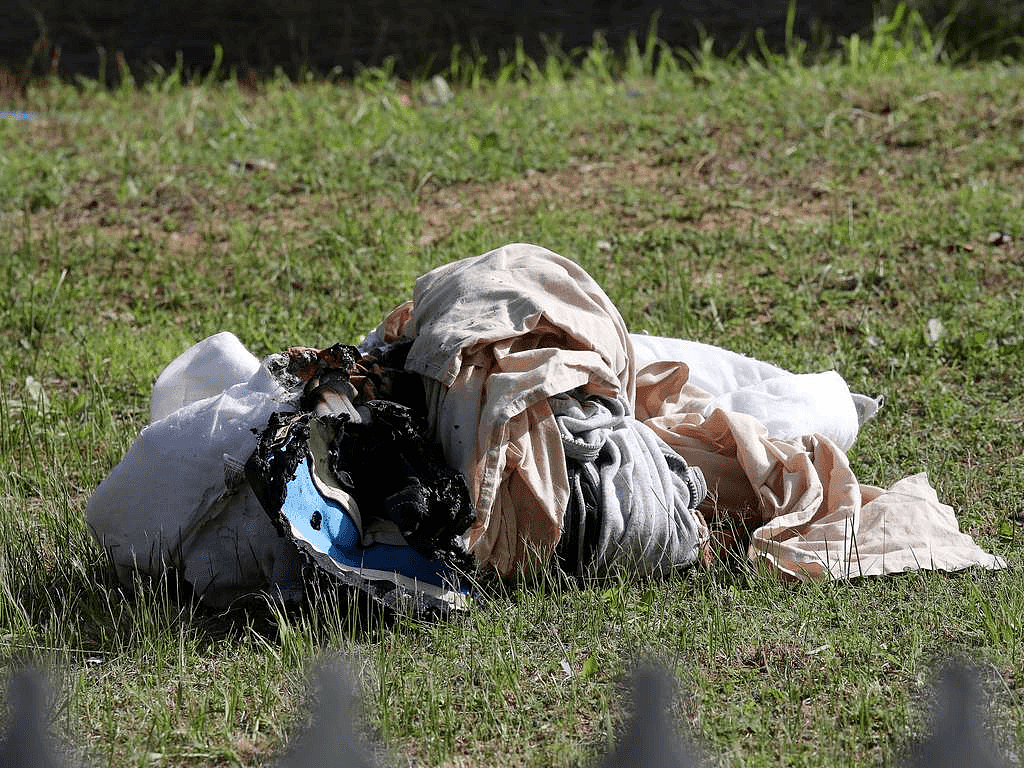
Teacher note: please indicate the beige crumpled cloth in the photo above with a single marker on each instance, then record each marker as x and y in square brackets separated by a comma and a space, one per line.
[496, 335]
[816, 520]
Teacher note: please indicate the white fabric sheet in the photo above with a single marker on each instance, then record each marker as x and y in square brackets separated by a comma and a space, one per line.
[789, 405]
[177, 500]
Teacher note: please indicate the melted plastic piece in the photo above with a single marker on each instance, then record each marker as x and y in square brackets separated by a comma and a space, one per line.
[281, 447]
[397, 576]
[396, 472]
[382, 472]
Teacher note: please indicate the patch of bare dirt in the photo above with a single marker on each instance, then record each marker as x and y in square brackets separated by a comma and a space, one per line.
[718, 190]
[181, 221]
[701, 189]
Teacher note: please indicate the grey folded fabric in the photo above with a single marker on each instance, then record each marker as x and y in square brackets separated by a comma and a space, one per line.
[632, 498]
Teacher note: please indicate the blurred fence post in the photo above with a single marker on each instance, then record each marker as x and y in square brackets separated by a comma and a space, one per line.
[650, 739]
[331, 740]
[957, 738]
[27, 742]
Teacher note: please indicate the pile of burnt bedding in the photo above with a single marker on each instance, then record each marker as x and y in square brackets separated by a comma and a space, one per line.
[503, 419]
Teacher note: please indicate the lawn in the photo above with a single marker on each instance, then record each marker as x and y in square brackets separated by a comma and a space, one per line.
[862, 212]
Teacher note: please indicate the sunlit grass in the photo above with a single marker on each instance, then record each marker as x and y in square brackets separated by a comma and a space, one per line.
[818, 216]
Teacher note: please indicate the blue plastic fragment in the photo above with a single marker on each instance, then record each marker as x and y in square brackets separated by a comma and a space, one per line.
[325, 525]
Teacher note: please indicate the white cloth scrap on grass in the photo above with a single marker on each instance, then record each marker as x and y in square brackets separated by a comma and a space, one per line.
[178, 499]
[203, 370]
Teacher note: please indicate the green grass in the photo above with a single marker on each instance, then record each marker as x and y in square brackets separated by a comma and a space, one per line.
[815, 215]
